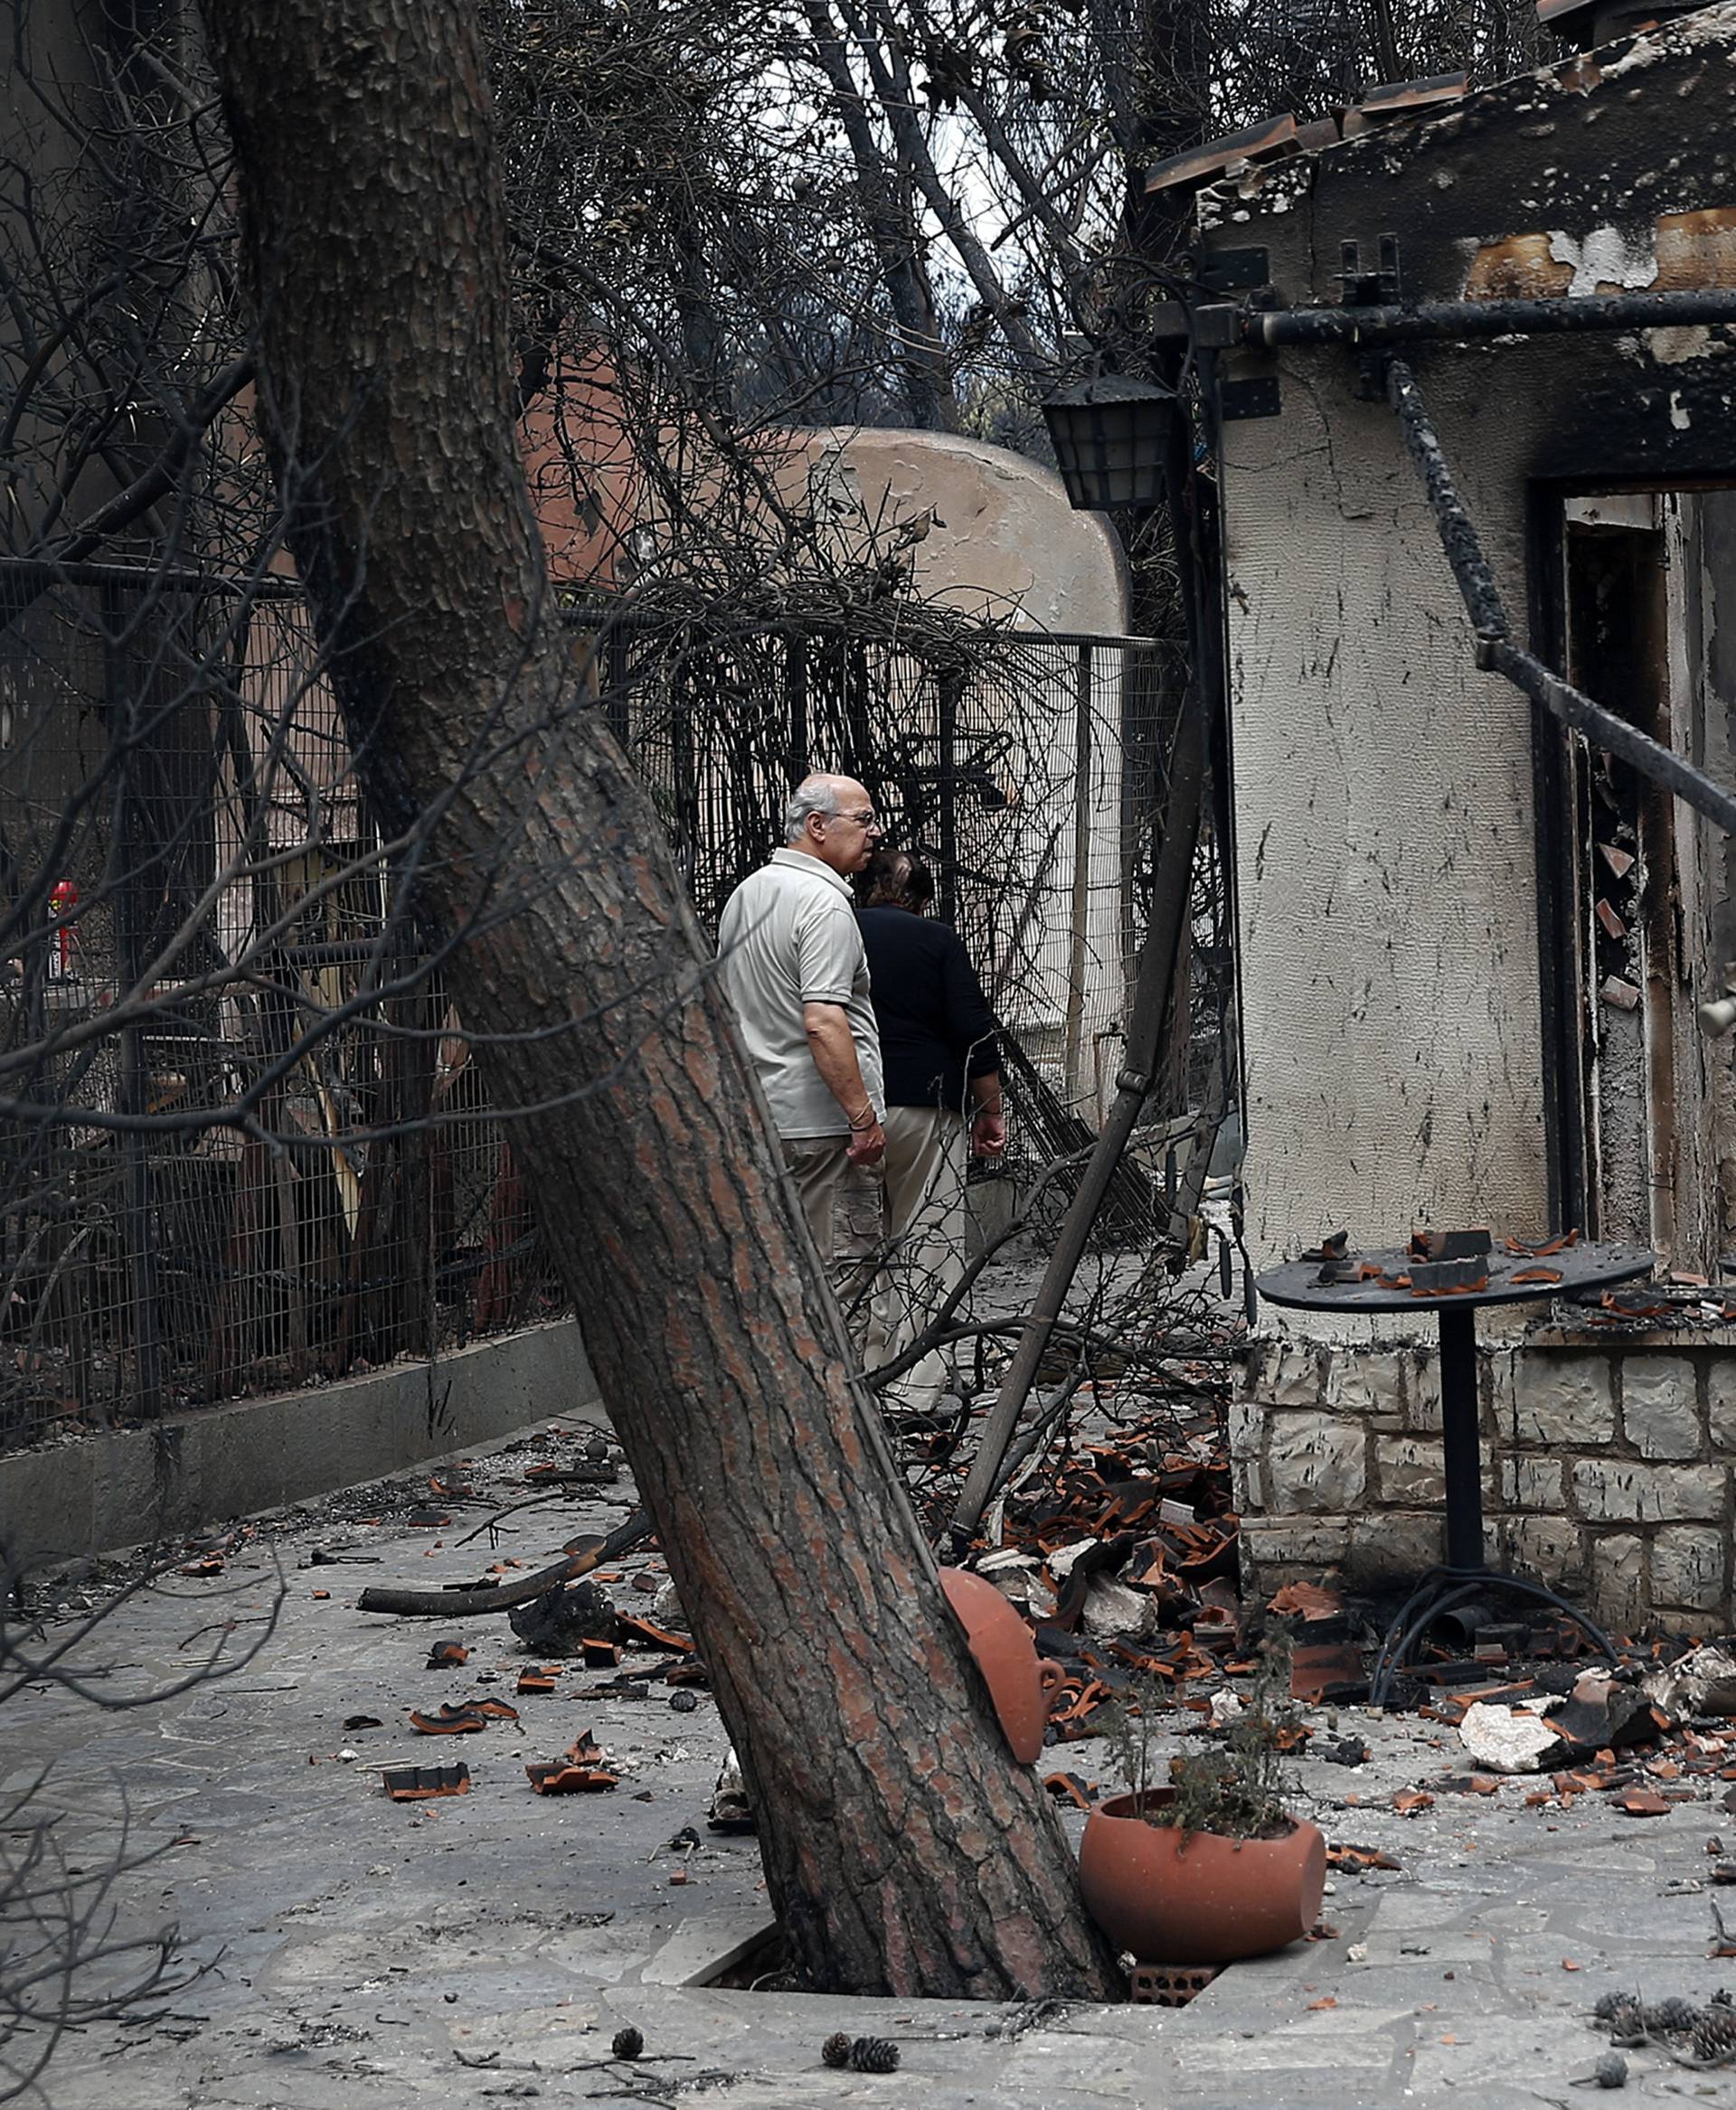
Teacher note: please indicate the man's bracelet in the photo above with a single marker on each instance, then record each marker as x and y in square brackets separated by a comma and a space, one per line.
[867, 1121]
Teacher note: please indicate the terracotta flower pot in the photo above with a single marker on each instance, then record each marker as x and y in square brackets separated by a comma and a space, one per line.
[1170, 1897]
[1019, 1681]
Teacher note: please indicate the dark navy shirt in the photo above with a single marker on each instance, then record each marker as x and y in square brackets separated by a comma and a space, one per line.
[936, 1028]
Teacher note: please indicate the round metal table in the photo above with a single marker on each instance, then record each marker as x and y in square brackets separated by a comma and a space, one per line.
[1464, 1573]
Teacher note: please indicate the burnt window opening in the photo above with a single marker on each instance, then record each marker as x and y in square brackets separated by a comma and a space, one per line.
[1646, 617]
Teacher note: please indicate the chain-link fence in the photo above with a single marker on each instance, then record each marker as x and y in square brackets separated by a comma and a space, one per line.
[197, 910]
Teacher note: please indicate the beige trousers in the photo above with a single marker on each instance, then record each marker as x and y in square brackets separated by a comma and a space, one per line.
[915, 1201]
[816, 1164]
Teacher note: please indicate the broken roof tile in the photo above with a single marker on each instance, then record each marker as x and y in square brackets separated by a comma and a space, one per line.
[1403, 98]
[1198, 165]
[416, 1784]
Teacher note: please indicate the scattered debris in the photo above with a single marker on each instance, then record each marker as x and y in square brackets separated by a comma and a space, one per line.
[362, 1721]
[450, 1721]
[730, 1811]
[1318, 1668]
[1307, 1601]
[447, 1655]
[1170, 1985]
[627, 2043]
[568, 1620]
[1599, 1715]
[580, 1769]
[1507, 1739]
[462, 1717]
[485, 1597]
[1343, 1751]
[417, 1784]
[643, 1633]
[1359, 1858]
[1702, 1682]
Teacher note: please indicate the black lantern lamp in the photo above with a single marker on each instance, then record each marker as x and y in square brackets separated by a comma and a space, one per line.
[1110, 436]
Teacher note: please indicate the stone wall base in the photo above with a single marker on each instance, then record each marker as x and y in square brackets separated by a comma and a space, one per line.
[1606, 1470]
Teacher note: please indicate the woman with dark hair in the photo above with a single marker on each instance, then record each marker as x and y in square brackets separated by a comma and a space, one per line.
[942, 1068]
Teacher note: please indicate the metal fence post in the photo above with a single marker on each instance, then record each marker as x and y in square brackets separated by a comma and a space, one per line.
[133, 1097]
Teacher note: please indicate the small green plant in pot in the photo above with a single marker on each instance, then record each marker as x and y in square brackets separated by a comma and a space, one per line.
[1211, 1867]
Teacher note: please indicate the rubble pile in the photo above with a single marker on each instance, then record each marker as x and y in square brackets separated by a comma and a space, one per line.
[1123, 1559]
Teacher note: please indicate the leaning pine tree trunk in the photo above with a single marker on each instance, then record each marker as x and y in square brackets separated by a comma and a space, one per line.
[904, 1851]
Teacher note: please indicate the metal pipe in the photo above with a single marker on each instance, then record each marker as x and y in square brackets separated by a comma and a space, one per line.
[1496, 650]
[1458, 535]
[1271, 327]
[1603, 728]
[39, 575]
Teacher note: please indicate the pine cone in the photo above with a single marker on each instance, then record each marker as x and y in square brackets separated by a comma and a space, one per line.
[628, 2043]
[835, 2050]
[1714, 2036]
[1611, 2004]
[1610, 2071]
[874, 2055]
[1626, 2020]
[1673, 2017]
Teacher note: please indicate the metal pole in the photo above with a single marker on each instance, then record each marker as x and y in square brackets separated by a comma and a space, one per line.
[1495, 651]
[132, 1094]
[1450, 319]
[1081, 890]
[1172, 893]
[1461, 1450]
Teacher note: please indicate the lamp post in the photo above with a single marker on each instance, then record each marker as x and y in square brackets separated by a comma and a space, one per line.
[1110, 435]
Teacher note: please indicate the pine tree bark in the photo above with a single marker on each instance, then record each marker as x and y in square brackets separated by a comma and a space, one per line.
[904, 1851]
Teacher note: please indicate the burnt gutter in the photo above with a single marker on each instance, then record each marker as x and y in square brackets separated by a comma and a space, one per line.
[1495, 651]
[1268, 328]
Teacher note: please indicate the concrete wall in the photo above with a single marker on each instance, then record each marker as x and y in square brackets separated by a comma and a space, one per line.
[1386, 855]
[96, 1494]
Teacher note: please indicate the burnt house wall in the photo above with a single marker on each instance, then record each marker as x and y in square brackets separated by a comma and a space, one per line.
[1407, 895]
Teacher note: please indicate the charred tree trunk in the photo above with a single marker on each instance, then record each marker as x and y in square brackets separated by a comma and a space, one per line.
[903, 1849]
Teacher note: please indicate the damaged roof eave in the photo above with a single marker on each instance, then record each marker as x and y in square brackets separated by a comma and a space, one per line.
[1269, 166]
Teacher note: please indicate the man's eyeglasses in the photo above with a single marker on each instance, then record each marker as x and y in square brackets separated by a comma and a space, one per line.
[867, 817]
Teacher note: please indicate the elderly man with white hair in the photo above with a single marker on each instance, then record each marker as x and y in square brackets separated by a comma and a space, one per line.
[792, 963]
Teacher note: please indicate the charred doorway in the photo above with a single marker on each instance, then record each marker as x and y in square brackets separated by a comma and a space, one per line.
[1644, 611]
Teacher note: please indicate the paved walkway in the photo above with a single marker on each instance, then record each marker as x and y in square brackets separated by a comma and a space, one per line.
[485, 1948]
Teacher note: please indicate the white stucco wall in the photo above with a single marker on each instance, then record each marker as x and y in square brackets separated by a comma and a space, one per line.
[1384, 850]
[1386, 859]
[1006, 546]
[1002, 545]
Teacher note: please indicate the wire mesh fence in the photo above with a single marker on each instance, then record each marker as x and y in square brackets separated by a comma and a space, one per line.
[196, 906]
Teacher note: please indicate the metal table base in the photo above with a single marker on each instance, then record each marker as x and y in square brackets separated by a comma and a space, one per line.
[1464, 1575]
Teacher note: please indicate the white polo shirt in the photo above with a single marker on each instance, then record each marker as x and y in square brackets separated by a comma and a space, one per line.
[790, 937]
